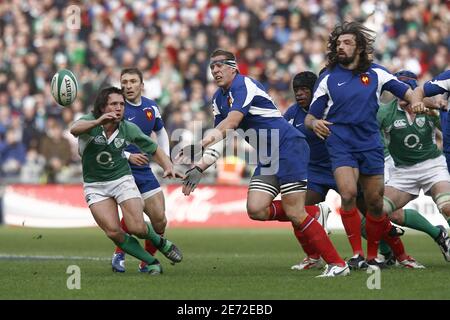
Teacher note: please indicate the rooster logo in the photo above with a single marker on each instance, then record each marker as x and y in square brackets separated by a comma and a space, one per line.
[149, 115]
[365, 79]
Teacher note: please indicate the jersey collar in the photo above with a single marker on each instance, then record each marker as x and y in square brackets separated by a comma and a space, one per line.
[134, 104]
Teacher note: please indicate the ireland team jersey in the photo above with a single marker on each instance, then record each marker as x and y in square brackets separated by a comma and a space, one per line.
[103, 158]
[440, 85]
[409, 141]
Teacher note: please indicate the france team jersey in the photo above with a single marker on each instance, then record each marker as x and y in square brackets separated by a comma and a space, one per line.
[147, 117]
[440, 85]
[319, 167]
[351, 103]
[261, 121]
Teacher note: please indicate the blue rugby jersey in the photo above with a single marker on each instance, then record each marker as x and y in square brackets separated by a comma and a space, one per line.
[248, 96]
[319, 156]
[351, 103]
[439, 85]
[147, 117]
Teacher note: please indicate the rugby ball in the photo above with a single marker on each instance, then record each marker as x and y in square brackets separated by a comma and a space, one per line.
[64, 87]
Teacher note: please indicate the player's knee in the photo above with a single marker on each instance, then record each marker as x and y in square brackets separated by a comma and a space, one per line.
[348, 196]
[138, 229]
[160, 224]
[397, 217]
[114, 234]
[255, 212]
[375, 207]
[374, 203]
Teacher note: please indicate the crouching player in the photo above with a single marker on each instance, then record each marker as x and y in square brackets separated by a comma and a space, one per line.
[145, 114]
[102, 138]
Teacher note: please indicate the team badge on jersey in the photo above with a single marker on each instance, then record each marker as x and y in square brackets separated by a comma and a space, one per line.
[118, 142]
[420, 121]
[149, 115]
[365, 79]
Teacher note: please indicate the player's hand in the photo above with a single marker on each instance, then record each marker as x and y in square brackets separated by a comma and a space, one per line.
[107, 117]
[191, 180]
[171, 173]
[419, 108]
[320, 128]
[138, 159]
[189, 154]
[442, 103]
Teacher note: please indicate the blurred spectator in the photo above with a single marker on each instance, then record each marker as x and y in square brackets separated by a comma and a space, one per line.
[12, 155]
[171, 42]
[56, 150]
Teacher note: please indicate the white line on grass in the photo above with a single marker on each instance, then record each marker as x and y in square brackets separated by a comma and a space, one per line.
[4, 256]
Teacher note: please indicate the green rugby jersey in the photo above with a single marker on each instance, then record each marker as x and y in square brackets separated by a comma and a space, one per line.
[409, 142]
[103, 159]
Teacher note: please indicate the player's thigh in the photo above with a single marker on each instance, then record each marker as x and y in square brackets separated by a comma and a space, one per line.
[347, 181]
[106, 215]
[132, 213]
[372, 186]
[154, 206]
[395, 199]
[262, 190]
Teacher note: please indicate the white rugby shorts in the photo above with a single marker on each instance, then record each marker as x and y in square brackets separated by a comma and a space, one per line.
[121, 189]
[422, 175]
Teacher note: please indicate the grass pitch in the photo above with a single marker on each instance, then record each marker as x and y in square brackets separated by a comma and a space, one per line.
[218, 264]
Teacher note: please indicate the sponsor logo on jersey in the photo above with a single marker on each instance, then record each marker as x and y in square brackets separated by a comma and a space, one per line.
[118, 142]
[291, 121]
[100, 140]
[398, 124]
[365, 79]
[420, 121]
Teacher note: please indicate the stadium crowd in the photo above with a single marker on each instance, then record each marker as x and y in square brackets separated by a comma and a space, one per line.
[170, 41]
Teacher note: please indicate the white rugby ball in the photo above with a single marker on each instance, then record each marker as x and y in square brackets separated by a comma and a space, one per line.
[64, 87]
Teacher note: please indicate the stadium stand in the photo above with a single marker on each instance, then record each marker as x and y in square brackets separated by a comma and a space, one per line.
[170, 41]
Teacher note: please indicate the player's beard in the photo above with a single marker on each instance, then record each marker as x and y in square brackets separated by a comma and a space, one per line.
[345, 61]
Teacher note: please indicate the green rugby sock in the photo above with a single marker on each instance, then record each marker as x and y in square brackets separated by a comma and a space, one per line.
[384, 248]
[415, 220]
[159, 242]
[132, 246]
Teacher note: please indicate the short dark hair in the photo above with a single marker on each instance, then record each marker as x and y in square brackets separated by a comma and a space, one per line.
[364, 41]
[132, 70]
[220, 52]
[304, 79]
[102, 100]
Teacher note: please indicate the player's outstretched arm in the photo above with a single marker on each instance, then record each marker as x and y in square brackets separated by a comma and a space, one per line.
[164, 162]
[84, 126]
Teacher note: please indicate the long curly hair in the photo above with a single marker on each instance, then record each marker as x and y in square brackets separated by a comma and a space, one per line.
[364, 41]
